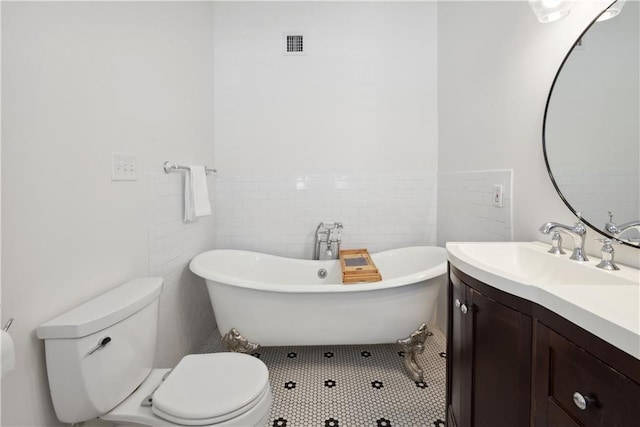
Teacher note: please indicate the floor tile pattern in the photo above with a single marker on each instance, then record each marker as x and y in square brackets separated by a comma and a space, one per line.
[360, 385]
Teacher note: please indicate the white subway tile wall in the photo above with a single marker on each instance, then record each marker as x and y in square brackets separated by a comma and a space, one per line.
[466, 211]
[279, 214]
[186, 317]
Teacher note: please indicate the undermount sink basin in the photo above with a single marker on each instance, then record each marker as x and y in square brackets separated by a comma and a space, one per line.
[529, 263]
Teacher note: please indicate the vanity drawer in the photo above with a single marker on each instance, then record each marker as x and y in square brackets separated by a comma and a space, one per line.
[611, 399]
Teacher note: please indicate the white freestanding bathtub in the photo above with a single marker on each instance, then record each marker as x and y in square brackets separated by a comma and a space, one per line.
[276, 301]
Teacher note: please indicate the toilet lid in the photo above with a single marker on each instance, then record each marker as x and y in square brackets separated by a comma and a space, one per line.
[210, 388]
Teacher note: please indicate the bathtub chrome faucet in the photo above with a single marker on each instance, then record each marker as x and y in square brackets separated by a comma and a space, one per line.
[329, 234]
[578, 232]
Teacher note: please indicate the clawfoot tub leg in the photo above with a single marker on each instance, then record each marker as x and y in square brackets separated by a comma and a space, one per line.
[413, 345]
[237, 343]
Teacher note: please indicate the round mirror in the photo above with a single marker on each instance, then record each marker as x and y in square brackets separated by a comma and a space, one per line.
[591, 132]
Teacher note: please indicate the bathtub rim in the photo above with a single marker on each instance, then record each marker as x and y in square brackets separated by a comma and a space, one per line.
[433, 271]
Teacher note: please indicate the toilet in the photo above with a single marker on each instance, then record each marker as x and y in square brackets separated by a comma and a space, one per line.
[100, 358]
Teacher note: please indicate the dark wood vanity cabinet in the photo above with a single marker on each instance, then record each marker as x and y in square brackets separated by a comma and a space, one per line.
[569, 378]
[511, 362]
[489, 360]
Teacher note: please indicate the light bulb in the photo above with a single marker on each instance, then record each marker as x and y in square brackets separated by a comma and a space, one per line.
[550, 10]
[613, 11]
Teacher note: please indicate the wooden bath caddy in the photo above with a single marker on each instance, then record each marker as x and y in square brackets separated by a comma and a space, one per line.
[357, 266]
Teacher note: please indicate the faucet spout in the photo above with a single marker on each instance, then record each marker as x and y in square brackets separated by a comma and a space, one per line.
[546, 228]
[329, 252]
[577, 232]
[551, 227]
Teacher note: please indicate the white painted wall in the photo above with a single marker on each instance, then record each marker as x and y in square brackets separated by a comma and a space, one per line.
[79, 81]
[362, 98]
[347, 132]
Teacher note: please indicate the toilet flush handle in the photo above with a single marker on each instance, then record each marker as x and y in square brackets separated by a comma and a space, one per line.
[103, 342]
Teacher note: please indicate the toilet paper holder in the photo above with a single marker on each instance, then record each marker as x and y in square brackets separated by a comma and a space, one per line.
[7, 325]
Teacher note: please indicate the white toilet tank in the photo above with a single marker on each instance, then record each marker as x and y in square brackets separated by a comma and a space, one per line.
[99, 352]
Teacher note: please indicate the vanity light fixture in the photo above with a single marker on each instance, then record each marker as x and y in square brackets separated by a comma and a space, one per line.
[550, 10]
[613, 11]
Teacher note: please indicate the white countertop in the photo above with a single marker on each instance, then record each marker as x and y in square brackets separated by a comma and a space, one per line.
[605, 303]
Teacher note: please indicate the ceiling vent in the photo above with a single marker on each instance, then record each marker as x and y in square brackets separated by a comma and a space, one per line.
[294, 44]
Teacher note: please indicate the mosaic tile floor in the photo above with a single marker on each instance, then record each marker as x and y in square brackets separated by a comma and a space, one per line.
[360, 385]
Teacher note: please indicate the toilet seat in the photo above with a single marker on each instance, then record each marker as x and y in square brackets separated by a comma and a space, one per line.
[206, 389]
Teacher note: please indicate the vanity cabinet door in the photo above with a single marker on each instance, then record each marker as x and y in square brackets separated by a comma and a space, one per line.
[501, 391]
[458, 358]
[488, 360]
[604, 396]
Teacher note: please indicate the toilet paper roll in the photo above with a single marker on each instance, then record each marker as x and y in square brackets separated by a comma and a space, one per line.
[8, 350]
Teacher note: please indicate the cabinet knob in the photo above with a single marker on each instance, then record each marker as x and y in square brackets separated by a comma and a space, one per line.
[581, 401]
[464, 309]
[457, 303]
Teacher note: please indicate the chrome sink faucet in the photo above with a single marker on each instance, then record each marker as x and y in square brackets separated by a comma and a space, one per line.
[578, 232]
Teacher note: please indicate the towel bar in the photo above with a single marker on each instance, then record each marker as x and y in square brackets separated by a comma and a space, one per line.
[169, 167]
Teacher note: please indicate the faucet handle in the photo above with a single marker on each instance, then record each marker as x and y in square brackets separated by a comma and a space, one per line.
[607, 262]
[556, 244]
[579, 226]
[607, 241]
[611, 226]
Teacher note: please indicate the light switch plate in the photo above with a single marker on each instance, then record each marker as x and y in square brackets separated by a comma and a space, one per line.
[497, 195]
[124, 167]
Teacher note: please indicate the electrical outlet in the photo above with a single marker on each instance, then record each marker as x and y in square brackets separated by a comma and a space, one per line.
[497, 195]
[124, 167]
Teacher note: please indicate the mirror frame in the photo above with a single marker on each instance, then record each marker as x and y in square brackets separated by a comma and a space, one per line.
[599, 230]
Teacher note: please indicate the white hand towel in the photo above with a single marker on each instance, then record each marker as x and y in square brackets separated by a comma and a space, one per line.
[189, 215]
[201, 205]
[196, 194]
